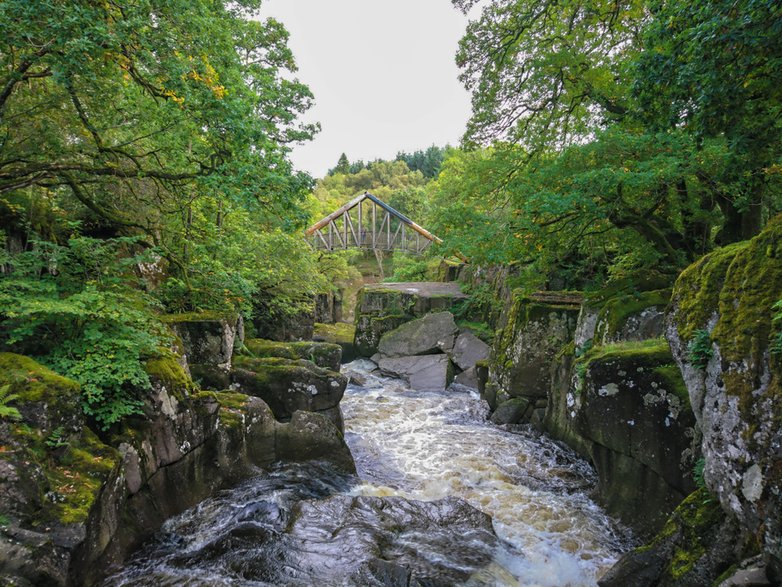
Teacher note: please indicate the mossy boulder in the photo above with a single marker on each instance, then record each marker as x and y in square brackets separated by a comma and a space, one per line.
[723, 304]
[695, 547]
[208, 338]
[52, 469]
[629, 401]
[288, 385]
[631, 317]
[340, 333]
[323, 354]
[535, 329]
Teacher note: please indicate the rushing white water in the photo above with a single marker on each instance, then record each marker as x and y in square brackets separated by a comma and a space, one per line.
[427, 446]
[427, 462]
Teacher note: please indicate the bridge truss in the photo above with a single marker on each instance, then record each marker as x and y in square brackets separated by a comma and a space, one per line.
[367, 222]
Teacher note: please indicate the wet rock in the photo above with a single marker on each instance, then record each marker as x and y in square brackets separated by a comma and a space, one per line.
[511, 411]
[310, 436]
[468, 350]
[351, 541]
[423, 373]
[434, 333]
[468, 378]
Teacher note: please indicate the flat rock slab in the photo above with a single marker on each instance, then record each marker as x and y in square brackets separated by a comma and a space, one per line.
[468, 350]
[424, 373]
[428, 335]
[422, 288]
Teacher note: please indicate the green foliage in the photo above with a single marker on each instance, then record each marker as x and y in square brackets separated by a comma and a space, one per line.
[699, 349]
[83, 321]
[57, 439]
[697, 473]
[613, 137]
[6, 411]
[413, 268]
[483, 304]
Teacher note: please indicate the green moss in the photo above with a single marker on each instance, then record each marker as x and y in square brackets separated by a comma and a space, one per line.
[208, 316]
[615, 311]
[741, 283]
[339, 332]
[697, 290]
[33, 382]
[691, 527]
[655, 350]
[170, 373]
[674, 382]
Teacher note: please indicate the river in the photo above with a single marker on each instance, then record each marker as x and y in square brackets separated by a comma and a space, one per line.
[442, 497]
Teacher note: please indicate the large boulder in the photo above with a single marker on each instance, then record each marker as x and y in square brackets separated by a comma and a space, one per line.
[721, 332]
[434, 333]
[423, 373]
[381, 308]
[469, 350]
[208, 338]
[288, 385]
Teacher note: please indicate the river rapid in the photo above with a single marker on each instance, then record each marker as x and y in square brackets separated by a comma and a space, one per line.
[442, 497]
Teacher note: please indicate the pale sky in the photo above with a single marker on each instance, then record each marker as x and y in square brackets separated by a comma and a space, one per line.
[382, 72]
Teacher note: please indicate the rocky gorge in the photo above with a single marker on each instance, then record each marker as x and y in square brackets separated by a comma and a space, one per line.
[669, 391]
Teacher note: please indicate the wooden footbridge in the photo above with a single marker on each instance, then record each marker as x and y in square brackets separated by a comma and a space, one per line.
[369, 223]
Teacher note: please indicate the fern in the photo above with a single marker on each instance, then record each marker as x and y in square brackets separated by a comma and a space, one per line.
[6, 398]
[699, 349]
[776, 345]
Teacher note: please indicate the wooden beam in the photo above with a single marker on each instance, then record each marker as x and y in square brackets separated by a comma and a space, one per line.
[334, 215]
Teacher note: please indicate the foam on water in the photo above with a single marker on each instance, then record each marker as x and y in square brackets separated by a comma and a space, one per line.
[427, 446]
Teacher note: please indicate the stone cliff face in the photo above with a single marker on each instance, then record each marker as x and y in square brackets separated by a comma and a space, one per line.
[723, 304]
[75, 505]
[593, 372]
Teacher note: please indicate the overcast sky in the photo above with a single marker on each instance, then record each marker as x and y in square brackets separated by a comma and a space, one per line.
[382, 72]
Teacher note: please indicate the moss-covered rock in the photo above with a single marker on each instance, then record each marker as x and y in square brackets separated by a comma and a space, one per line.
[323, 354]
[340, 333]
[736, 387]
[288, 385]
[52, 470]
[631, 317]
[696, 545]
[535, 329]
[207, 337]
[384, 307]
[628, 401]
